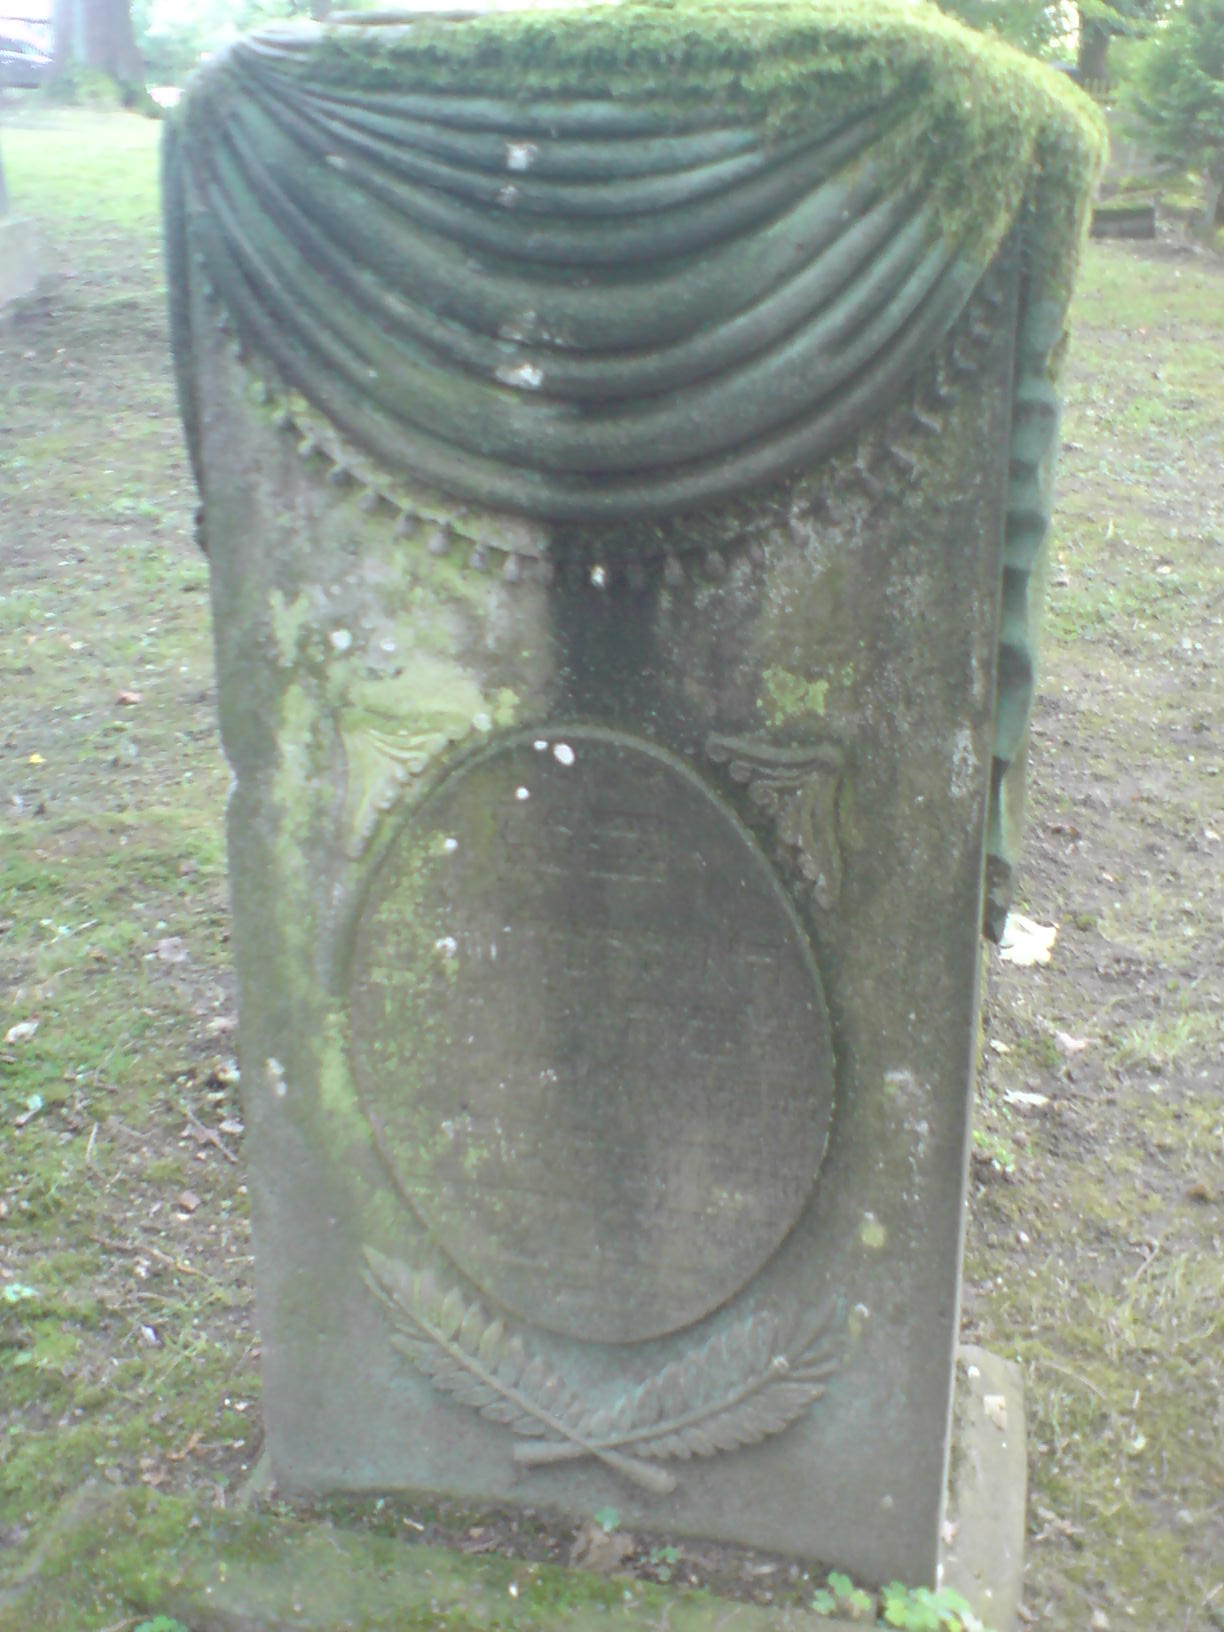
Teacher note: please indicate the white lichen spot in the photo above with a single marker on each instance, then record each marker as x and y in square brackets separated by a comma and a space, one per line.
[521, 155]
[508, 197]
[540, 744]
[563, 754]
[522, 376]
[450, 845]
[482, 722]
[599, 577]
[341, 640]
[447, 945]
[274, 1071]
[872, 1233]
[519, 328]
[522, 793]
[964, 764]
[387, 645]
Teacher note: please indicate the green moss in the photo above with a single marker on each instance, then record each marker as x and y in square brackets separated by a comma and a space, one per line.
[789, 695]
[992, 131]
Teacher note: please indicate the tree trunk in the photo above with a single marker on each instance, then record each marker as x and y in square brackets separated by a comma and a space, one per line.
[97, 34]
[1213, 195]
[1092, 61]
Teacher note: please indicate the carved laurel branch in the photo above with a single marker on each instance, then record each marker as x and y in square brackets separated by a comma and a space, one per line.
[740, 1387]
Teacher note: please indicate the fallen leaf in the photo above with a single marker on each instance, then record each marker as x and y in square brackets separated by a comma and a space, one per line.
[1026, 942]
[34, 1104]
[187, 1201]
[172, 949]
[1018, 1096]
[1069, 1044]
[230, 1125]
[478, 1541]
[1199, 1191]
[178, 1456]
[129, 699]
[1000, 1048]
[36, 759]
[1100, 1621]
[598, 1549]
[21, 1032]
[995, 1407]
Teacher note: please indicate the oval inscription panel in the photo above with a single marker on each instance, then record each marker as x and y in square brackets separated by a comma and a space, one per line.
[589, 1033]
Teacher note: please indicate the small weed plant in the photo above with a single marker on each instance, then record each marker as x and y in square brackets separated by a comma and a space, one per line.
[913, 1609]
[663, 1561]
[919, 1609]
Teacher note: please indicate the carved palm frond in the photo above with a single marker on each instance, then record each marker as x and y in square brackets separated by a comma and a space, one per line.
[741, 1386]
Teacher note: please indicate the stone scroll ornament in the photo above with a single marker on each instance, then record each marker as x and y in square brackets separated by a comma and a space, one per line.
[599, 270]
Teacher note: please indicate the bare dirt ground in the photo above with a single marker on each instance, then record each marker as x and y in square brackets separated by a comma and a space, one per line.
[1096, 1241]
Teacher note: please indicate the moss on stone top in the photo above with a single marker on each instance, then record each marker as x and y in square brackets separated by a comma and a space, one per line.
[992, 132]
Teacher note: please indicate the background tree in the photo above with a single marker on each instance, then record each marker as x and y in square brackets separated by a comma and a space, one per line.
[1101, 22]
[1177, 95]
[97, 36]
[1040, 27]
[174, 34]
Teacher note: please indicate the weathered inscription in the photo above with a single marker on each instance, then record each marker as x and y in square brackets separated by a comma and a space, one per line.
[589, 1032]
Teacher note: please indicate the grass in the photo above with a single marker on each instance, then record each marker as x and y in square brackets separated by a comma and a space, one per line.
[127, 1354]
[135, 1329]
[1096, 1262]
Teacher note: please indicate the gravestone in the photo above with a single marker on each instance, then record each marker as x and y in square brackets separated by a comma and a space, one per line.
[18, 253]
[625, 439]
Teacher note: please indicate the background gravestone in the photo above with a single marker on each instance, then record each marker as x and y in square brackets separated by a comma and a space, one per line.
[625, 441]
[18, 252]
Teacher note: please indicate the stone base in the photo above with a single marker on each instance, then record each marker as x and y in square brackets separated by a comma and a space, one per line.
[19, 258]
[268, 1571]
[984, 1558]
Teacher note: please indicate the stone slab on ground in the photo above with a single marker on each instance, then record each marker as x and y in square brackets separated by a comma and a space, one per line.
[19, 259]
[987, 1483]
[132, 1553]
[326, 1580]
